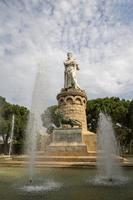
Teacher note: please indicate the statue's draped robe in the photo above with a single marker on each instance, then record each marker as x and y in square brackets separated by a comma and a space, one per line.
[70, 74]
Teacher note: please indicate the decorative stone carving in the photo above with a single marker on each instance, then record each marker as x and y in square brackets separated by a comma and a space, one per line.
[64, 121]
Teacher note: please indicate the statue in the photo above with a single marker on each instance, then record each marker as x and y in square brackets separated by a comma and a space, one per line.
[66, 121]
[71, 66]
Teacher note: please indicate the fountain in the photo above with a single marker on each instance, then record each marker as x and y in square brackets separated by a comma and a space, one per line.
[11, 136]
[31, 150]
[108, 159]
[34, 123]
[39, 103]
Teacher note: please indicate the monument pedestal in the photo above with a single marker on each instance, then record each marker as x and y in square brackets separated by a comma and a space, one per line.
[67, 142]
[72, 102]
[89, 138]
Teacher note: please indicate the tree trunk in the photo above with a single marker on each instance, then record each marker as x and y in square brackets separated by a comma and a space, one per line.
[130, 146]
[5, 140]
[6, 148]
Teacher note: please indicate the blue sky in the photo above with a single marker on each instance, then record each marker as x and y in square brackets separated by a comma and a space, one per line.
[40, 32]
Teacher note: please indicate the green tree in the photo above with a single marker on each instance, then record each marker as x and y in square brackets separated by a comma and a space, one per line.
[121, 112]
[130, 125]
[130, 115]
[113, 106]
[5, 126]
[21, 115]
[49, 116]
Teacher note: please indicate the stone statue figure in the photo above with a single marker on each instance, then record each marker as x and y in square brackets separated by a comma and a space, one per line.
[70, 78]
[63, 120]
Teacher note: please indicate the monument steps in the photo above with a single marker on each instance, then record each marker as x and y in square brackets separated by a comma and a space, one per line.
[40, 164]
[47, 164]
[44, 158]
[89, 153]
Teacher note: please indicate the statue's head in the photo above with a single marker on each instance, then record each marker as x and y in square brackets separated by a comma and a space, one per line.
[69, 55]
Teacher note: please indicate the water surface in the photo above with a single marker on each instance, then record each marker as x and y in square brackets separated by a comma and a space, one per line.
[62, 184]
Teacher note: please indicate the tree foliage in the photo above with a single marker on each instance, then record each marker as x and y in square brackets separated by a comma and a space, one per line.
[50, 117]
[6, 112]
[116, 108]
[130, 116]
[121, 112]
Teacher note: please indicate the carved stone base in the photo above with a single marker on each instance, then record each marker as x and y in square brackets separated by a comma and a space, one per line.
[67, 142]
[67, 150]
[68, 135]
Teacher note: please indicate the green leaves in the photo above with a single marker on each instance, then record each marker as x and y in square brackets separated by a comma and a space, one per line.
[49, 116]
[116, 108]
[21, 115]
[130, 115]
[121, 112]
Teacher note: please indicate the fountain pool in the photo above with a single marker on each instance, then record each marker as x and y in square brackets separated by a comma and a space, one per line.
[62, 184]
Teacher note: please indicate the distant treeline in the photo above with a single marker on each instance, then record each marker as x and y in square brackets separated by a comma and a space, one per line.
[120, 110]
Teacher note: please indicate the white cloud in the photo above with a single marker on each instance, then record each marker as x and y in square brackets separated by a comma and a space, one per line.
[43, 31]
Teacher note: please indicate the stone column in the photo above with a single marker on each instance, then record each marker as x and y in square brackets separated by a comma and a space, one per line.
[72, 103]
